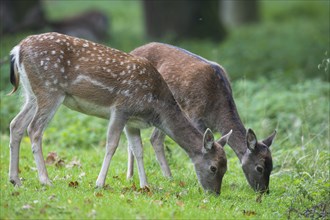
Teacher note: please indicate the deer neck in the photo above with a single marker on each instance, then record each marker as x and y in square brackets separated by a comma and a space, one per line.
[177, 126]
[229, 119]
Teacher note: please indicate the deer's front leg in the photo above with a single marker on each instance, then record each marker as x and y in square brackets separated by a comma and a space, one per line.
[157, 142]
[134, 142]
[116, 126]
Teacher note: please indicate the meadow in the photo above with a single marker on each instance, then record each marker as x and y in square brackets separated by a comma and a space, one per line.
[279, 71]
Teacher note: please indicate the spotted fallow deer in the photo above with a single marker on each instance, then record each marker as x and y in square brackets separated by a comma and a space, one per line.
[203, 91]
[104, 82]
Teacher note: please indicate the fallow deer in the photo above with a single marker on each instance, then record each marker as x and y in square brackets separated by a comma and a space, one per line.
[203, 91]
[56, 69]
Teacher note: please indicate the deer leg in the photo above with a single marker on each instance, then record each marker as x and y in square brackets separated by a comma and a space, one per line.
[157, 141]
[17, 128]
[116, 126]
[46, 109]
[135, 143]
[130, 163]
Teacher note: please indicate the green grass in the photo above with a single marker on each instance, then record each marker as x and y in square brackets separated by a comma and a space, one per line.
[276, 86]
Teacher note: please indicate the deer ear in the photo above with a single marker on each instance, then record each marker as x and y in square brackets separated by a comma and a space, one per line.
[208, 140]
[251, 140]
[268, 141]
[224, 139]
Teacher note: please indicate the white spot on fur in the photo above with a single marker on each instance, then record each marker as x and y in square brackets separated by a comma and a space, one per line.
[53, 52]
[62, 70]
[41, 63]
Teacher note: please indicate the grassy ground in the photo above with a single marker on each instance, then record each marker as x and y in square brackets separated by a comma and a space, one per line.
[287, 92]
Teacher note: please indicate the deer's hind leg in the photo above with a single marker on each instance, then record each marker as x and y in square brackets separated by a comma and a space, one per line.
[130, 163]
[135, 145]
[47, 104]
[18, 127]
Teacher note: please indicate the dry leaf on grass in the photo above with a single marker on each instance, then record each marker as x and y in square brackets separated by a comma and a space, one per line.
[73, 184]
[249, 213]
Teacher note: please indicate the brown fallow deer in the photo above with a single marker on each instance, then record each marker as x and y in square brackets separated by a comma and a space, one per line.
[203, 91]
[56, 69]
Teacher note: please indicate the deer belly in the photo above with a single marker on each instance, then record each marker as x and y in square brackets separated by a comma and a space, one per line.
[87, 107]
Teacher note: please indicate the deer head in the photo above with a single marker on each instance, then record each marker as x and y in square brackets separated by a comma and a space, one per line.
[257, 161]
[211, 164]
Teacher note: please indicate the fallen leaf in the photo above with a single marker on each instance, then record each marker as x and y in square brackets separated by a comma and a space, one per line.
[145, 189]
[249, 213]
[73, 184]
[125, 190]
[180, 203]
[182, 184]
[133, 187]
[60, 163]
[51, 158]
[15, 193]
[98, 194]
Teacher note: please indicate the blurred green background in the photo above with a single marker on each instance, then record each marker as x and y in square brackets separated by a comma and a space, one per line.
[280, 42]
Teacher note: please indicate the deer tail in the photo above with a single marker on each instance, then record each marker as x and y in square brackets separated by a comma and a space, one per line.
[14, 75]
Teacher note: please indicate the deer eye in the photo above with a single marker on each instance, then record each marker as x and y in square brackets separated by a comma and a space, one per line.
[260, 169]
[213, 169]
